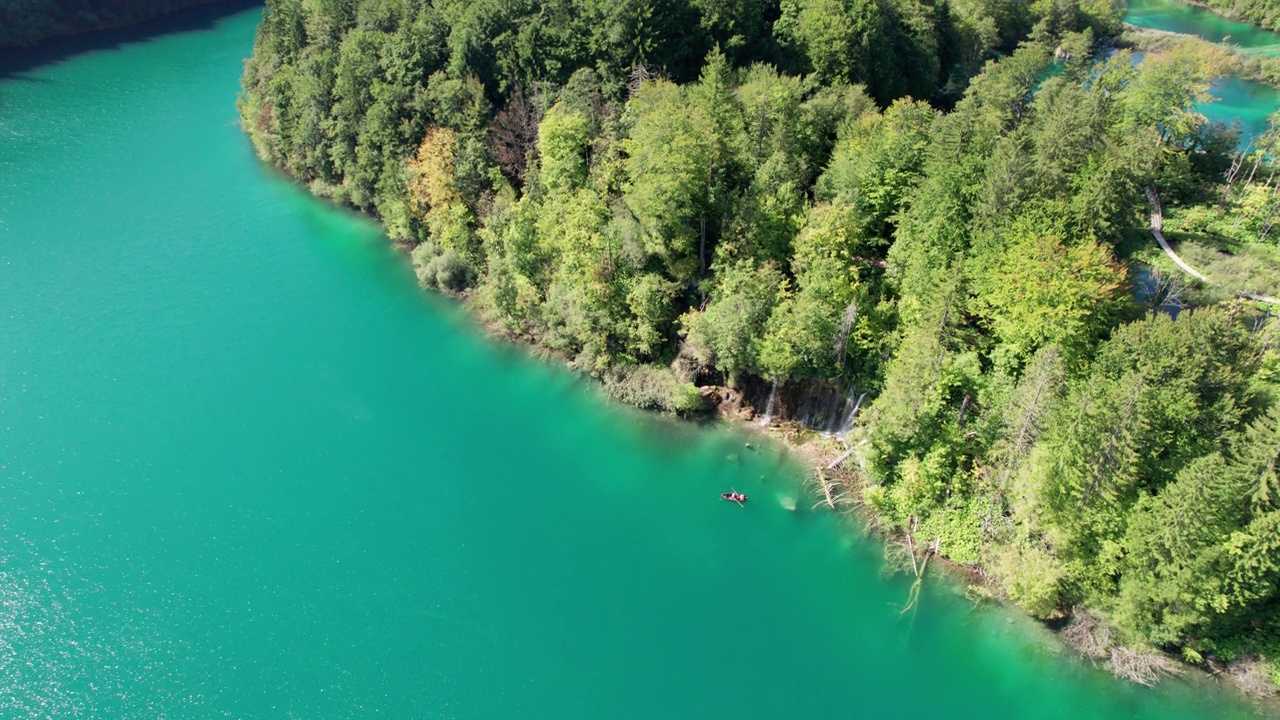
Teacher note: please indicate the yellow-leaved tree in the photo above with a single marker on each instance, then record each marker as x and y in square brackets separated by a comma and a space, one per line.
[449, 251]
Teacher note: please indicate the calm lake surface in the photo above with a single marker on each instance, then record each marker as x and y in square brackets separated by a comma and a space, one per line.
[249, 470]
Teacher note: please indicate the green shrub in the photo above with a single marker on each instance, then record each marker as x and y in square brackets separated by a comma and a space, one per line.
[1030, 577]
[652, 388]
[960, 529]
[445, 270]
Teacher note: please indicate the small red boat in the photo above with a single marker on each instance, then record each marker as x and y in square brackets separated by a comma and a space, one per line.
[734, 496]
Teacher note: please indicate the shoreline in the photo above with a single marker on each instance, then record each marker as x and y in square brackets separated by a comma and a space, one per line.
[798, 441]
[1229, 15]
[816, 451]
[1074, 630]
[1247, 65]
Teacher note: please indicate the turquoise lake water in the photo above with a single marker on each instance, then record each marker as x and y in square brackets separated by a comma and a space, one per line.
[1247, 102]
[249, 470]
[1174, 16]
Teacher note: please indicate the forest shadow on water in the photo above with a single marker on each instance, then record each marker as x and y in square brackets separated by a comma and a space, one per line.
[15, 63]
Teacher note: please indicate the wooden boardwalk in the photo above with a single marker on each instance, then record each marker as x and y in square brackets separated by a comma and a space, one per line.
[1157, 229]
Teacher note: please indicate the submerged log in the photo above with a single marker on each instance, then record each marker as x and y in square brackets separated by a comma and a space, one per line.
[840, 460]
[826, 490]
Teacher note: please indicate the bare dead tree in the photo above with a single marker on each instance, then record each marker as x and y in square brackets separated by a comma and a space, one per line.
[1144, 668]
[934, 548]
[1251, 675]
[1166, 290]
[1270, 211]
[1233, 173]
[514, 135]
[964, 408]
[639, 74]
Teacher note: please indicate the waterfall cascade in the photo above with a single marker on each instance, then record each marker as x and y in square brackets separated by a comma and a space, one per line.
[828, 407]
[841, 344]
[851, 413]
[769, 406]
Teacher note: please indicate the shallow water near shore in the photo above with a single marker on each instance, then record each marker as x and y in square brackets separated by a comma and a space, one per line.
[249, 470]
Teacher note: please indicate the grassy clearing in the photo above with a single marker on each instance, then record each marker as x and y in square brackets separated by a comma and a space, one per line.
[1232, 267]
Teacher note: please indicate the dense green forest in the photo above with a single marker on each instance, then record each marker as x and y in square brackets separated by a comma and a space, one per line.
[1258, 12]
[931, 202]
[27, 22]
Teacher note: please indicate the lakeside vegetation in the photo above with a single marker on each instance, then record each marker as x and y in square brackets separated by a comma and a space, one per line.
[1258, 12]
[1229, 59]
[938, 203]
